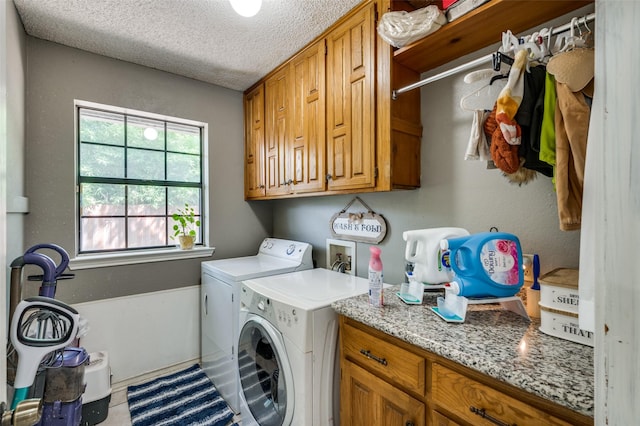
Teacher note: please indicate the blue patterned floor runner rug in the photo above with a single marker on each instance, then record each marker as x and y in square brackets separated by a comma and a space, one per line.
[184, 398]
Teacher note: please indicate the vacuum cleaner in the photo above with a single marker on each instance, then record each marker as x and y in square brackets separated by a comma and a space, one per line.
[43, 332]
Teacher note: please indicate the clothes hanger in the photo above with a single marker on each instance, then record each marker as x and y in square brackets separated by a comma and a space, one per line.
[545, 44]
[509, 42]
[478, 75]
[572, 41]
[498, 77]
[587, 37]
[483, 94]
[542, 40]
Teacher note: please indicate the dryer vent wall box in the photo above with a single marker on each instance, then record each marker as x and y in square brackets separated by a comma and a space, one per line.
[220, 305]
[341, 256]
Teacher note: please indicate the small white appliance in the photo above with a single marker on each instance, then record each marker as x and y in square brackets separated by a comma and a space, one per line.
[287, 350]
[220, 302]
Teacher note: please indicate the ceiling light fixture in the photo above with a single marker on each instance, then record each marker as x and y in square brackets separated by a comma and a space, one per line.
[246, 8]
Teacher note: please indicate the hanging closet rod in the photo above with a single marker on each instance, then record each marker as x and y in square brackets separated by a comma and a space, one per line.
[479, 61]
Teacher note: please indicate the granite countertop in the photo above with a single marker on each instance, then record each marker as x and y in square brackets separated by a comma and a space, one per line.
[493, 341]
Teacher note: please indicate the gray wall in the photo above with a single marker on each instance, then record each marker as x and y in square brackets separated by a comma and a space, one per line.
[56, 76]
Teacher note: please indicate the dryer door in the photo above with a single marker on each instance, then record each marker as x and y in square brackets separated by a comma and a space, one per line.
[266, 380]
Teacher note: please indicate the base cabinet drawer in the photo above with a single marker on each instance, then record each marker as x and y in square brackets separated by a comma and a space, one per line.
[480, 405]
[367, 400]
[438, 419]
[387, 360]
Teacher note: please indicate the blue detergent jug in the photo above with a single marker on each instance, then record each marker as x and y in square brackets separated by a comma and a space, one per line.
[488, 264]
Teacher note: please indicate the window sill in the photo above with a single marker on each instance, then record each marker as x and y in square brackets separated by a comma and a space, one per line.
[148, 256]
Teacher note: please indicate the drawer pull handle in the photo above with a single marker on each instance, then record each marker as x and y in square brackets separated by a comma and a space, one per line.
[409, 423]
[373, 357]
[482, 413]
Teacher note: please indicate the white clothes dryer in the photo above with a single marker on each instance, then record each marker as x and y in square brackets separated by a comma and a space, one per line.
[220, 303]
[287, 349]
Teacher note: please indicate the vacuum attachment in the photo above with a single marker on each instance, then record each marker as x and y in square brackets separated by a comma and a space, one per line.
[27, 413]
[40, 325]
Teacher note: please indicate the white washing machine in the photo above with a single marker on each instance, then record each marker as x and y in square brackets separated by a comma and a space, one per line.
[220, 302]
[287, 350]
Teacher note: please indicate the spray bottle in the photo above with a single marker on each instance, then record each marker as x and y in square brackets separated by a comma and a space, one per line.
[375, 277]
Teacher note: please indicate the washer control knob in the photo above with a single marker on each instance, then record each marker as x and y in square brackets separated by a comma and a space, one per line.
[291, 249]
[261, 305]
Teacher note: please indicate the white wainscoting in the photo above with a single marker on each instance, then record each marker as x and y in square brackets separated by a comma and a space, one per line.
[144, 333]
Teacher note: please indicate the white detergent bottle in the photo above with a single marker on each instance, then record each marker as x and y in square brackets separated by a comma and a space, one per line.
[375, 277]
[431, 264]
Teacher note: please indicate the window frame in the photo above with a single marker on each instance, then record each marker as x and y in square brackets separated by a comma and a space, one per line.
[139, 255]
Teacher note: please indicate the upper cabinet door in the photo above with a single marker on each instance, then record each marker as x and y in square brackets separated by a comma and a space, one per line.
[254, 186]
[278, 132]
[307, 146]
[350, 103]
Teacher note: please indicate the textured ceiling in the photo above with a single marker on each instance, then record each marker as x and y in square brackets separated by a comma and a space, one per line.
[201, 39]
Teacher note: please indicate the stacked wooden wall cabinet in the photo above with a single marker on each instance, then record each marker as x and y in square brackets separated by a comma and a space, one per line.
[329, 125]
[254, 186]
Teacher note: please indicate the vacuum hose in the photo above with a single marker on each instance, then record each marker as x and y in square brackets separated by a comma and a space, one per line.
[50, 276]
[41, 260]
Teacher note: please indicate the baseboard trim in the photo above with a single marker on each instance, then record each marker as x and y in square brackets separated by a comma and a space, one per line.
[119, 390]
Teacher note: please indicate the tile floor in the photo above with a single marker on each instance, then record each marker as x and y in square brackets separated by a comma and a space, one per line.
[118, 408]
[118, 416]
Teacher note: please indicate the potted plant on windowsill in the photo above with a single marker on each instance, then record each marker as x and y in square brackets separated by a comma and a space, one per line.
[185, 226]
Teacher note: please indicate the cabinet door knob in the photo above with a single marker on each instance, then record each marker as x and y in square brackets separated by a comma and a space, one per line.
[328, 177]
[409, 423]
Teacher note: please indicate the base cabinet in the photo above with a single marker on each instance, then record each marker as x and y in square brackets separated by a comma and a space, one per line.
[385, 381]
[479, 404]
[368, 400]
[438, 419]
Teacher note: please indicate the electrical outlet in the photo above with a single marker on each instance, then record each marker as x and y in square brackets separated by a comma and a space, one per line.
[527, 266]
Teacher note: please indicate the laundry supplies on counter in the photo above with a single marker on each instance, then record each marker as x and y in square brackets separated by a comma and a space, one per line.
[411, 292]
[488, 264]
[375, 278]
[559, 301]
[430, 262]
